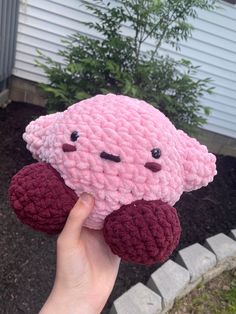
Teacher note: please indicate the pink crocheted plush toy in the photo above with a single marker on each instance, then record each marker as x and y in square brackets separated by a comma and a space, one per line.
[129, 156]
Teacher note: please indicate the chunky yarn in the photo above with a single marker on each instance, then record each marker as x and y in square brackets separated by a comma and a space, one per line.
[112, 154]
[129, 156]
[144, 232]
[40, 198]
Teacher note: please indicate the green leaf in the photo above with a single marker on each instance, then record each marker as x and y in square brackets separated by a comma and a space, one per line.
[82, 95]
[207, 110]
[113, 60]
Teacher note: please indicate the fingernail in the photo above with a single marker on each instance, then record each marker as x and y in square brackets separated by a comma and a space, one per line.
[87, 198]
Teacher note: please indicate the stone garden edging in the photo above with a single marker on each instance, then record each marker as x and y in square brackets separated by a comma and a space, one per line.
[175, 279]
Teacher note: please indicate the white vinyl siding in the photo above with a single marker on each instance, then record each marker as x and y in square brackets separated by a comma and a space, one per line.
[42, 25]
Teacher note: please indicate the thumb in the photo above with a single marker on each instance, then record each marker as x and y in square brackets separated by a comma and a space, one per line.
[78, 214]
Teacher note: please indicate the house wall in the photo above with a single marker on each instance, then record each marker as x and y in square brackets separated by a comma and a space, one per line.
[8, 28]
[42, 25]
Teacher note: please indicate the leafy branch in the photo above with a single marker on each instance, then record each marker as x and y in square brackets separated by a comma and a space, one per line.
[115, 62]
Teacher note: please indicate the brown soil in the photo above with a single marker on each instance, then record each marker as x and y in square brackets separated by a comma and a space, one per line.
[27, 263]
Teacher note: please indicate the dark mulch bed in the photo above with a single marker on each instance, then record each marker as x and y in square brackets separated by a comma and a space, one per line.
[27, 258]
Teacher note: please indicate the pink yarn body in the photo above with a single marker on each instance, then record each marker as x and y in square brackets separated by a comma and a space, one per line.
[124, 127]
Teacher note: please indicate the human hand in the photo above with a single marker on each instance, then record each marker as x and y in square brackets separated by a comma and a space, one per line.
[86, 267]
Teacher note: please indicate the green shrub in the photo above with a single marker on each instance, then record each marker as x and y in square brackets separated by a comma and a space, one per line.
[117, 63]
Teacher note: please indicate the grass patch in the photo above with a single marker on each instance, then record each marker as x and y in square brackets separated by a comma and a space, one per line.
[230, 298]
[215, 297]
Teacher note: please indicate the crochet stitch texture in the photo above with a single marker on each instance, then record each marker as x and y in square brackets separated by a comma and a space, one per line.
[129, 156]
[124, 127]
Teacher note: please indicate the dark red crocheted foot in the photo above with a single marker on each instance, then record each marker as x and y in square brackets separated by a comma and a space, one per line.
[143, 232]
[40, 197]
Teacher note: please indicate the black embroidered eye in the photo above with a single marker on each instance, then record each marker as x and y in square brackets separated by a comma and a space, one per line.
[156, 153]
[74, 136]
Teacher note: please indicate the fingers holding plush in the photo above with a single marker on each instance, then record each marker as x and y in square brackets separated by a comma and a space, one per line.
[76, 218]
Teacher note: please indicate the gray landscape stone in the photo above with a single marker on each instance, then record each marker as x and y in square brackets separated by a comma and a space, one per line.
[197, 259]
[138, 300]
[189, 288]
[223, 247]
[233, 234]
[170, 280]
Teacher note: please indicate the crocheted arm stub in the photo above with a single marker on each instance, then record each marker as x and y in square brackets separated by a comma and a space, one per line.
[199, 165]
[37, 131]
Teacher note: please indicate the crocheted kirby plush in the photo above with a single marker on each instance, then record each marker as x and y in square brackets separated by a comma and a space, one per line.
[129, 156]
